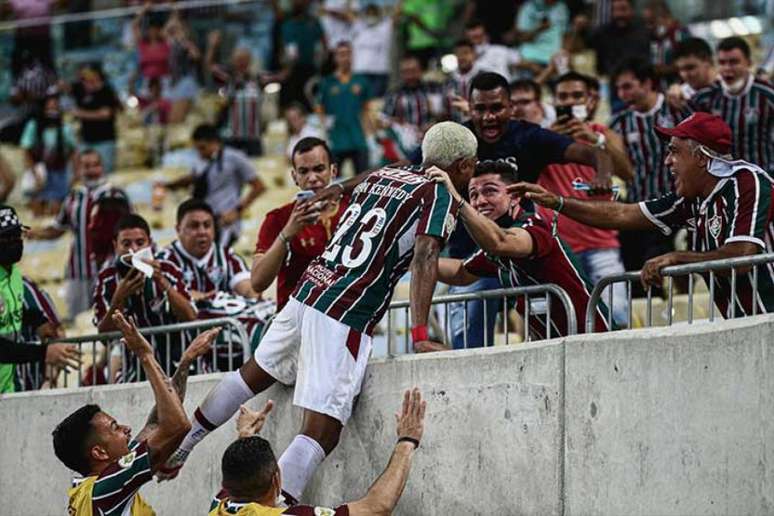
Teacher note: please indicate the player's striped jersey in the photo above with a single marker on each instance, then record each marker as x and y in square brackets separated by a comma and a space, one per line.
[114, 491]
[552, 261]
[645, 149]
[353, 280]
[219, 270]
[75, 215]
[739, 209]
[222, 506]
[750, 114]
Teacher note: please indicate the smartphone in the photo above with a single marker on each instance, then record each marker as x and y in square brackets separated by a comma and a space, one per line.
[304, 194]
[564, 112]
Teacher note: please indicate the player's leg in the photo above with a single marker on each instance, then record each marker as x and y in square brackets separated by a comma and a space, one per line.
[318, 438]
[274, 360]
[330, 373]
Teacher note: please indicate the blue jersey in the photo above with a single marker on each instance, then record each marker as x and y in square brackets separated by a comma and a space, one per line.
[526, 145]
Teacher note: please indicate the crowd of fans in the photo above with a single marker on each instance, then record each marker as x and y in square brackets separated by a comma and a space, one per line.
[690, 141]
[360, 84]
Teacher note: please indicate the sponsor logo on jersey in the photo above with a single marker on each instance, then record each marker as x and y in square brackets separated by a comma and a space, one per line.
[324, 511]
[450, 224]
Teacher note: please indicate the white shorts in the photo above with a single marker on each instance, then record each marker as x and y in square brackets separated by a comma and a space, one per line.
[323, 357]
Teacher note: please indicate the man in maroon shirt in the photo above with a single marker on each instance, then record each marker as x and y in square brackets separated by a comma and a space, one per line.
[292, 236]
[518, 246]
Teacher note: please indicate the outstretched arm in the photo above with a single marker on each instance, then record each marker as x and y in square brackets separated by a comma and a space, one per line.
[488, 235]
[452, 272]
[594, 157]
[173, 424]
[384, 494]
[598, 214]
[199, 347]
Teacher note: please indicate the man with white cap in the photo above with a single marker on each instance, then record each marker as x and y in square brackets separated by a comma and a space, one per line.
[727, 205]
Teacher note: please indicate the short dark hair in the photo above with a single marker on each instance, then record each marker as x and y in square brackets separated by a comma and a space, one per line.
[307, 144]
[344, 43]
[463, 42]
[296, 105]
[735, 42]
[72, 436]
[475, 22]
[131, 221]
[572, 76]
[487, 81]
[527, 85]
[639, 68]
[206, 133]
[190, 205]
[409, 56]
[248, 466]
[508, 172]
[695, 47]
[89, 150]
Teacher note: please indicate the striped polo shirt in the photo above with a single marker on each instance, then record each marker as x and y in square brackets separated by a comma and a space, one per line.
[750, 114]
[221, 269]
[739, 209]
[417, 105]
[645, 149]
[75, 216]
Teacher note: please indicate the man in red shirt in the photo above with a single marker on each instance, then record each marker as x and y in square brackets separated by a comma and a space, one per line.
[291, 236]
[598, 250]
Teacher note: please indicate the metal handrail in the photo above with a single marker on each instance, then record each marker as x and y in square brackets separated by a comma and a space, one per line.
[167, 330]
[709, 266]
[526, 291]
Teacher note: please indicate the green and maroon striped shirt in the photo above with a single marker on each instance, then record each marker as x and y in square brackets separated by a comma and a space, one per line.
[353, 280]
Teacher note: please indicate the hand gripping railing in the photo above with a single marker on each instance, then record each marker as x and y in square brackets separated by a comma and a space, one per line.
[709, 268]
[529, 293]
[166, 345]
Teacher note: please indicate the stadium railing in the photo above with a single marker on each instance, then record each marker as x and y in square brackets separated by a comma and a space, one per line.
[537, 300]
[233, 346]
[230, 350]
[688, 303]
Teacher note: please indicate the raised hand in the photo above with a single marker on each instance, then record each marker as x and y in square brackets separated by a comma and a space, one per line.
[63, 355]
[411, 420]
[441, 176]
[250, 422]
[136, 343]
[534, 192]
[200, 345]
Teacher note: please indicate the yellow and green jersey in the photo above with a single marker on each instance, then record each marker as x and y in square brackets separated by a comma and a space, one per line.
[114, 491]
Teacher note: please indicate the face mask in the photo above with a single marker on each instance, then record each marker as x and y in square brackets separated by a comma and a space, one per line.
[91, 183]
[734, 87]
[11, 252]
[580, 112]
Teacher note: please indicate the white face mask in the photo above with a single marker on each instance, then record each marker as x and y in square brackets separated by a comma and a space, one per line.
[580, 112]
[734, 87]
[91, 183]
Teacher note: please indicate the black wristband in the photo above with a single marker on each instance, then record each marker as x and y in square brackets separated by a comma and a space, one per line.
[411, 440]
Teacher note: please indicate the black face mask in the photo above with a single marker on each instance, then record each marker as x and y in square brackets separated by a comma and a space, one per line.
[11, 252]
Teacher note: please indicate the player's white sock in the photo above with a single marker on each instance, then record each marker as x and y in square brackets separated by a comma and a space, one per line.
[217, 408]
[298, 463]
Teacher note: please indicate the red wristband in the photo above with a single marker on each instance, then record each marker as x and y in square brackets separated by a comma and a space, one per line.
[419, 333]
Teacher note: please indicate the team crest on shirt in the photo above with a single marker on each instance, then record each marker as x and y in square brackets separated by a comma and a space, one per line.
[324, 511]
[188, 276]
[751, 115]
[215, 274]
[334, 90]
[356, 89]
[714, 226]
[450, 223]
[127, 459]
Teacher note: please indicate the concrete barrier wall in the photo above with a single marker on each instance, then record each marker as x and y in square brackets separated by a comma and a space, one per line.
[667, 421]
